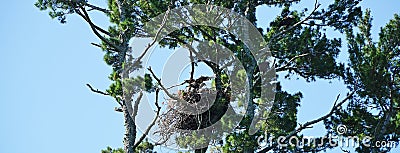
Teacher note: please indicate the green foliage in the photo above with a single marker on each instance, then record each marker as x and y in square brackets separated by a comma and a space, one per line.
[59, 8]
[148, 83]
[374, 71]
[283, 118]
[144, 147]
[238, 141]
[311, 41]
[110, 150]
[134, 85]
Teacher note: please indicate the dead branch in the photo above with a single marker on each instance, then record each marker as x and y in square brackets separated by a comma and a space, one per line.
[97, 90]
[315, 24]
[146, 132]
[82, 12]
[94, 25]
[163, 88]
[192, 64]
[136, 105]
[291, 60]
[176, 85]
[155, 39]
[103, 93]
[118, 109]
[275, 2]
[98, 45]
[93, 7]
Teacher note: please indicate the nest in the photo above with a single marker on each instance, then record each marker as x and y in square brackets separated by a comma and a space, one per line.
[207, 106]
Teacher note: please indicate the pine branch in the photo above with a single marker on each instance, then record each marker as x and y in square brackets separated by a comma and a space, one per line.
[316, 6]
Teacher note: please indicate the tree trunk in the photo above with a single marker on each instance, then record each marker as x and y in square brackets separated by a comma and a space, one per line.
[130, 131]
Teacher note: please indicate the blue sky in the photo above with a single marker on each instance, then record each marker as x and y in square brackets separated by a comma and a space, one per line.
[45, 105]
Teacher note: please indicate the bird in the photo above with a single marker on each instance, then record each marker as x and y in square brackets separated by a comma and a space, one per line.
[198, 83]
[193, 89]
[287, 21]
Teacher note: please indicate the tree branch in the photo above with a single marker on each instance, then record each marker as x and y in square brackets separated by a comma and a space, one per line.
[93, 7]
[291, 60]
[155, 39]
[97, 90]
[140, 57]
[105, 94]
[308, 124]
[192, 64]
[163, 88]
[316, 6]
[98, 45]
[176, 85]
[152, 123]
[95, 28]
[276, 2]
[92, 24]
[136, 105]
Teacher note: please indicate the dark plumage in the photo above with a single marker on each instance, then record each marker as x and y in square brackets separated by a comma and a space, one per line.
[287, 21]
[198, 83]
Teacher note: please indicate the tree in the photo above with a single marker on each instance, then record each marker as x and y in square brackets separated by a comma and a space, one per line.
[374, 70]
[296, 39]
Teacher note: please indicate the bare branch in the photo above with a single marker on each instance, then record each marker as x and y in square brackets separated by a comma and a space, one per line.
[95, 28]
[146, 132]
[136, 105]
[155, 39]
[118, 109]
[98, 45]
[94, 25]
[139, 58]
[315, 24]
[163, 88]
[291, 60]
[93, 7]
[310, 123]
[176, 85]
[103, 93]
[97, 90]
[275, 2]
[192, 64]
